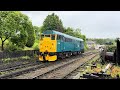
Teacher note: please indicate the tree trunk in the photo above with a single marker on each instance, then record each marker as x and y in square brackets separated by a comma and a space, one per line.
[2, 45]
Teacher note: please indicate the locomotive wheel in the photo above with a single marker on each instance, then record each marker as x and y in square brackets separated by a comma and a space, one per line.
[69, 54]
[63, 56]
[78, 53]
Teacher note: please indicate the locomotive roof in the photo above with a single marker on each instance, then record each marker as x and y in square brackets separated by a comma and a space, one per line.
[59, 33]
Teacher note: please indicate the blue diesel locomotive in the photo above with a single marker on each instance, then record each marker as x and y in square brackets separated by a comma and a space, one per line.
[54, 45]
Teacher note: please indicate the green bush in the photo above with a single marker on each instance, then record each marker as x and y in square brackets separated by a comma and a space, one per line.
[30, 41]
[85, 48]
[10, 47]
[110, 48]
[31, 35]
[36, 47]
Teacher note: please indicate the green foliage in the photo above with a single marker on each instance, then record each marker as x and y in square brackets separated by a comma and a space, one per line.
[29, 31]
[36, 45]
[10, 47]
[52, 22]
[0, 42]
[100, 41]
[21, 36]
[28, 48]
[9, 60]
[106, 41]
[7, 25]
[17, 27]
[37, 31]
[73, 32]
[31, 35]
[110, 48]
[76, 33]
[69, 31]
[20, 40]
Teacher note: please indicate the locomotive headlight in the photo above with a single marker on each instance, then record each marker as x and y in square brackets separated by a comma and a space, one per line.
[52, 44]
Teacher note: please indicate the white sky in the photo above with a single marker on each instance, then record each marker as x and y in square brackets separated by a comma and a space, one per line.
[94, 24]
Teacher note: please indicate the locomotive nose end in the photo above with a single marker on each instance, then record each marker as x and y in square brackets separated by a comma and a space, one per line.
[48, 46]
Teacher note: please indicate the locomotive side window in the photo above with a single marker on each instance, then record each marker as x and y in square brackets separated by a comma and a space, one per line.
[52, 37]
[68, 40]
[63, 38]
[80, 43]
[59, 37]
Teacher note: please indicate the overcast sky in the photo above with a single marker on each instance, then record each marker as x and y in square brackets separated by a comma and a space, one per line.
[94, 24]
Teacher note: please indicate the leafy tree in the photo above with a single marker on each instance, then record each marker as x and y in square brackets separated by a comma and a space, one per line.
[101, 41]
[37, 31]
[85, 44]
[25, 33]
[17, 27]
[20, 39]
[31, 34]
[76, 33]
[21, 36]
[26, 37]
[52, 22]
[7, 26]
[69, 31]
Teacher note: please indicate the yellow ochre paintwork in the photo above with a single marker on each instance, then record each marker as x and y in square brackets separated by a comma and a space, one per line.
[50, 46]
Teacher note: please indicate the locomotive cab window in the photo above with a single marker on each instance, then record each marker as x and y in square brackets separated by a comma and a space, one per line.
[52, 37]
[47, 35]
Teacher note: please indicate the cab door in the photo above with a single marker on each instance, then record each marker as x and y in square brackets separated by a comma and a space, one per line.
[62, 39]
[60, 43]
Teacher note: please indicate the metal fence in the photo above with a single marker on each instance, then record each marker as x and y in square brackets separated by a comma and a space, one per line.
[16, 54]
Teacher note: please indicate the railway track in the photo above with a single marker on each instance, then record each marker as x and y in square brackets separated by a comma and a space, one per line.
[61, 71]
[43, 71]
[19, 73]
[75, 74]
[9, 66]
[22, 71]
[17, 67]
